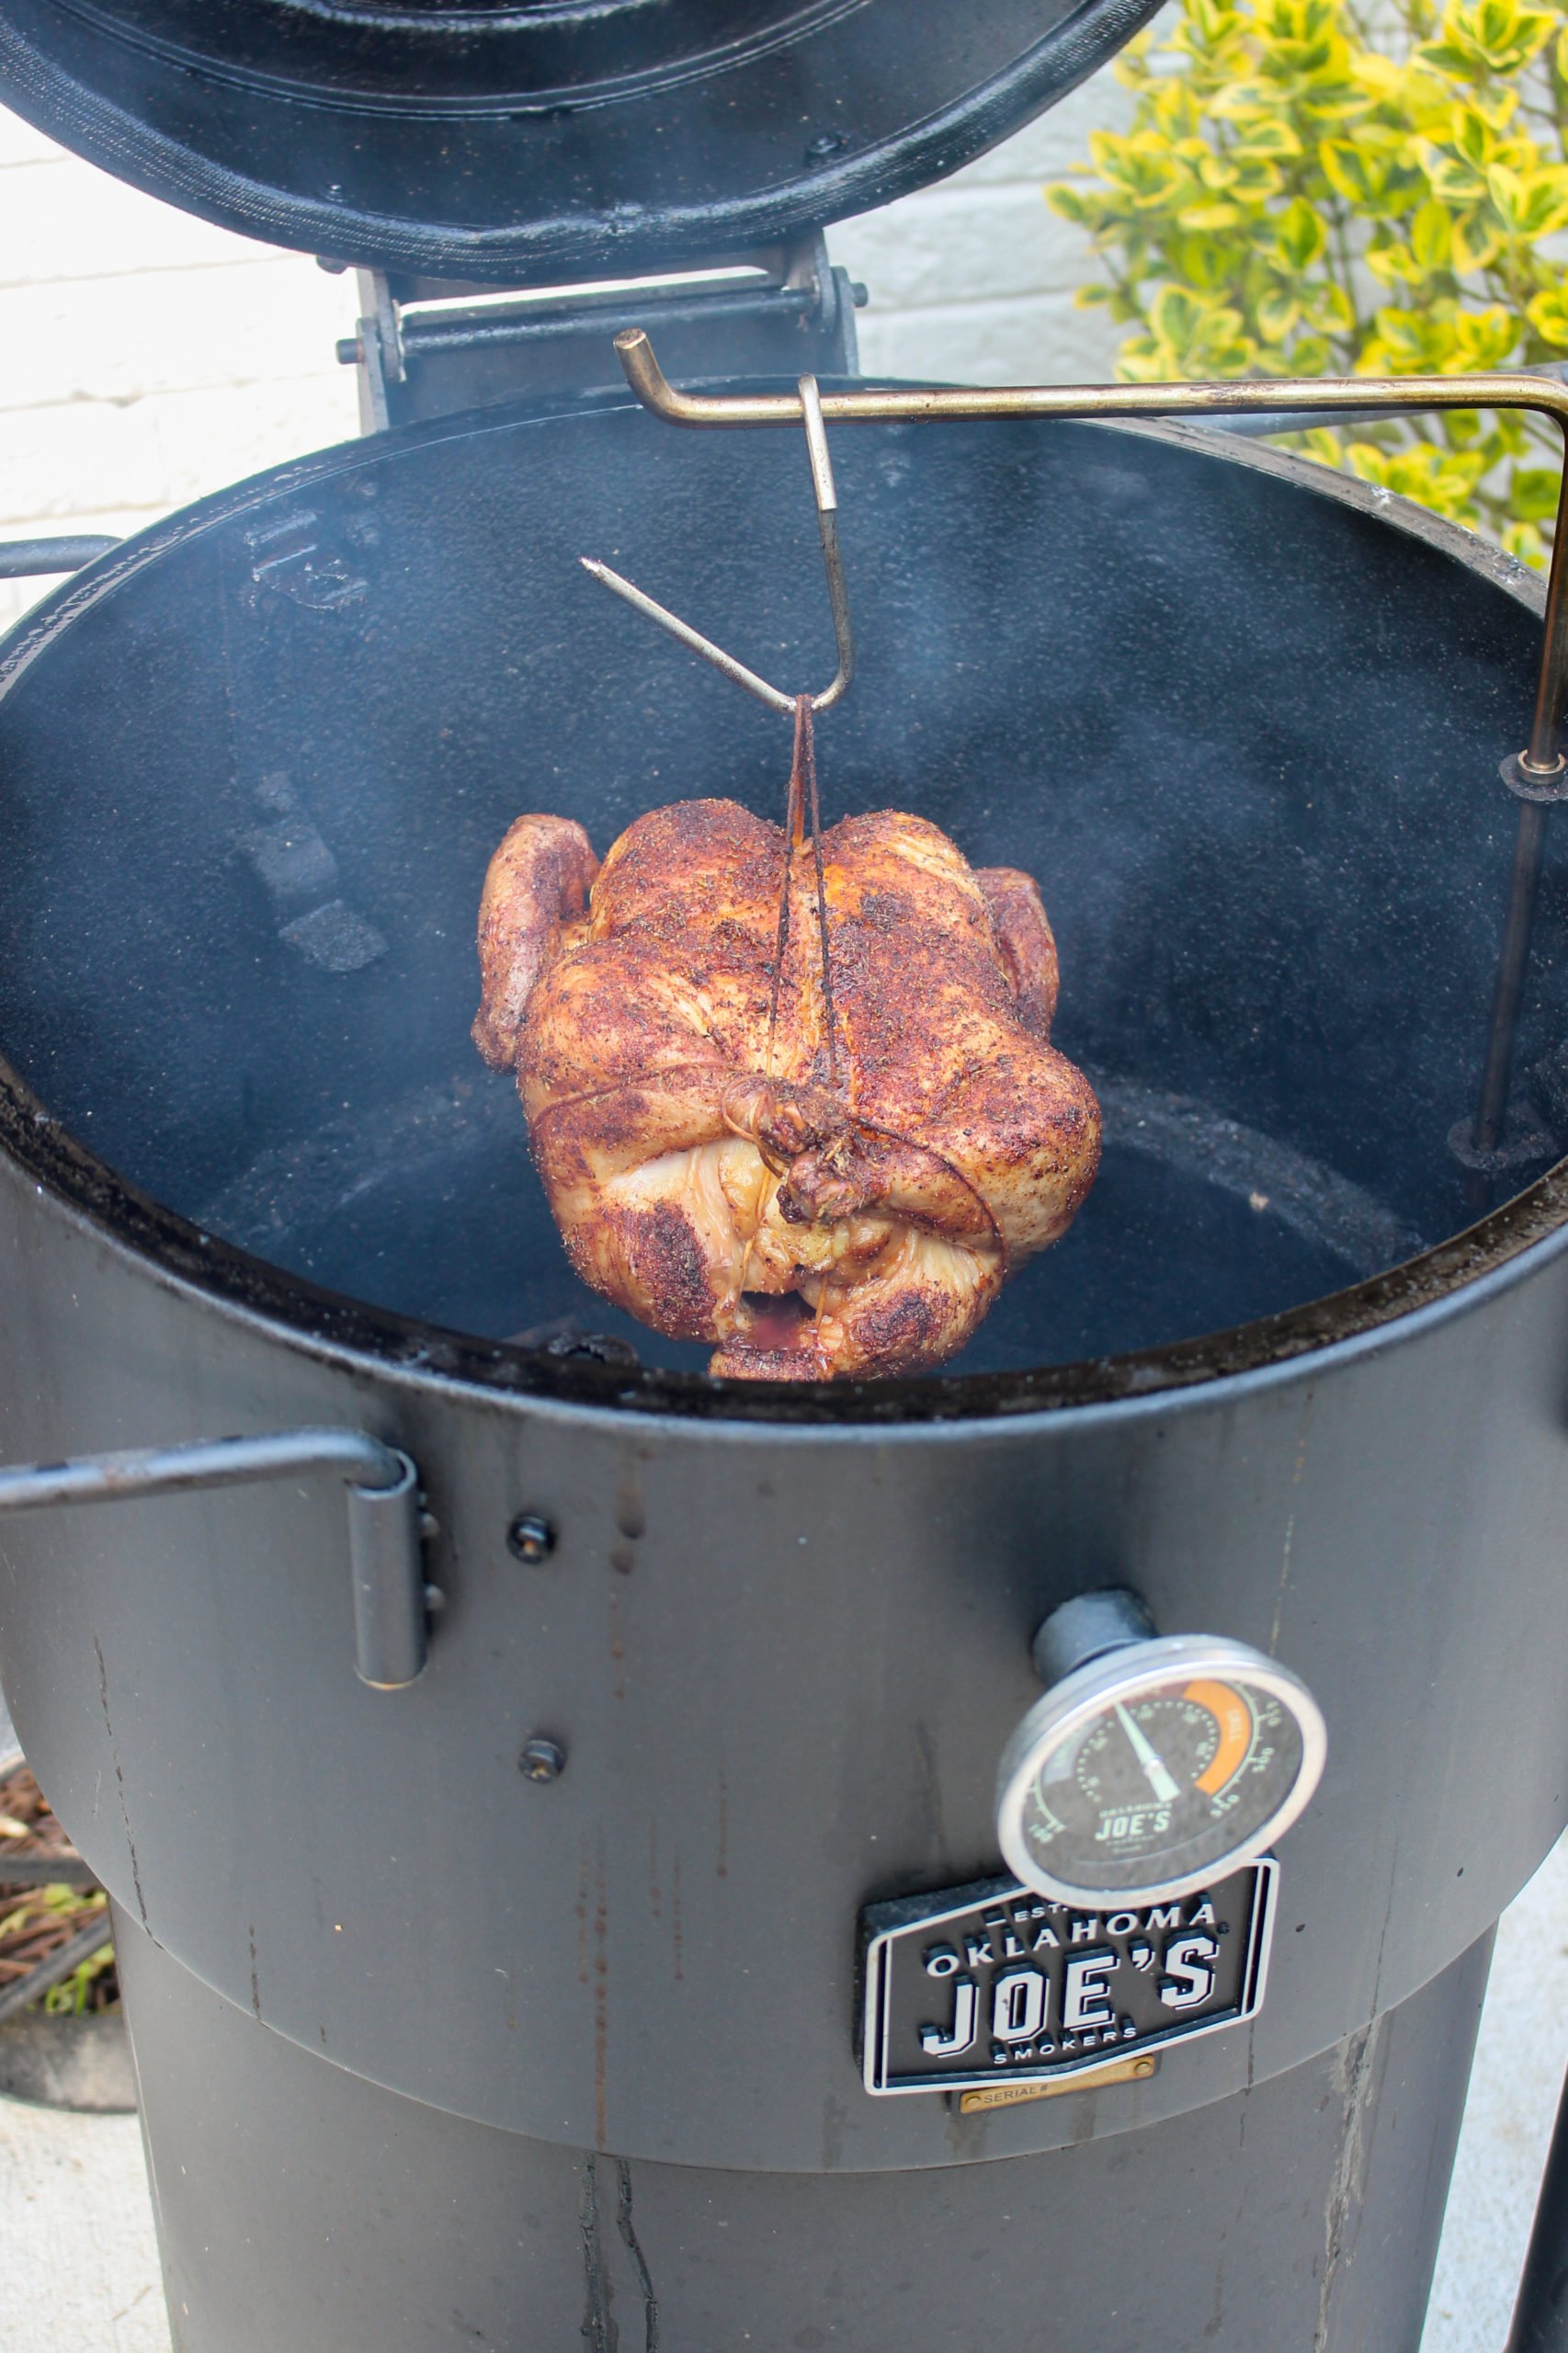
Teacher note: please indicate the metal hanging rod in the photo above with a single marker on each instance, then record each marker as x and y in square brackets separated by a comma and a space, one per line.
[1537, 776]
[806, 409]
[1542, 760]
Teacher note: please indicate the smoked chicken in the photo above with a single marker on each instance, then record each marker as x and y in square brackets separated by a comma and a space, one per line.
[819, 1131]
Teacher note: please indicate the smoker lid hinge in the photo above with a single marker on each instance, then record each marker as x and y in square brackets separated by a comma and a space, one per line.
[425, 348]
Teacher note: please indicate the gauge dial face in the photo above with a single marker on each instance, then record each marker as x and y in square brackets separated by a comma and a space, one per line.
[1157, 1779]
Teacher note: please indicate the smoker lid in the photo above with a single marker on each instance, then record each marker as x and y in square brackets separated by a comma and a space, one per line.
[496, 139]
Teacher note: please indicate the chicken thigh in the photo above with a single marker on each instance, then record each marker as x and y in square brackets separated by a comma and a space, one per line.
[829, 1173]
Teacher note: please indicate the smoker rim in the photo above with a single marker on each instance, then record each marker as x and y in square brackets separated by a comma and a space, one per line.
[1449, 1279]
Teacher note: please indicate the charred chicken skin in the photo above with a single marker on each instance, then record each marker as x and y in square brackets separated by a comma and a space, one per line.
[826, 1164]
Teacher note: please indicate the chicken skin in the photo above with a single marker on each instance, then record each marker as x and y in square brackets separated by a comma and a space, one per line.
[833, 1176]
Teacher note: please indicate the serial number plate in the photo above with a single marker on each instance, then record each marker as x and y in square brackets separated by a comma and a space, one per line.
[994, 1984]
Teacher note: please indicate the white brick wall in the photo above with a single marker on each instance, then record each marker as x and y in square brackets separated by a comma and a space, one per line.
[973, 280]
[146, 358]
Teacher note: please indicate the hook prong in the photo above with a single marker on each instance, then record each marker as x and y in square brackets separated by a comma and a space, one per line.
[653, 611]
[636, 351]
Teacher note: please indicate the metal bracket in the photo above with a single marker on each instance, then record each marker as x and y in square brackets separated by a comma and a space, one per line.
[385, 1518]
[1525, 781]
[426, 347]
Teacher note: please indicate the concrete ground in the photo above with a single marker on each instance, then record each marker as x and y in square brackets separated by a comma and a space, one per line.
[80, 2269]
[1521, 2057]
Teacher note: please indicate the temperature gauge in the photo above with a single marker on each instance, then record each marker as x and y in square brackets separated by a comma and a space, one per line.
[1155, 1764]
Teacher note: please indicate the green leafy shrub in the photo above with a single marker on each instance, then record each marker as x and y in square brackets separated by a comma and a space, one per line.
[1305, 192]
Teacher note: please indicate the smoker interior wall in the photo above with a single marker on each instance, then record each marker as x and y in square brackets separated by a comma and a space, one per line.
[1303, 2212]
[1244, 731]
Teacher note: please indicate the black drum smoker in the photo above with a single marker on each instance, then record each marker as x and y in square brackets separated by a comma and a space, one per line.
[605, 1856]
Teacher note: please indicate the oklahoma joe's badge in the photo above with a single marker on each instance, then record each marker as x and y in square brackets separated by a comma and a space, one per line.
[994, 1984]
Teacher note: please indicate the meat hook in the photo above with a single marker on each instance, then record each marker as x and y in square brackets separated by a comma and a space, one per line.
[826, 496]
[1537, 776]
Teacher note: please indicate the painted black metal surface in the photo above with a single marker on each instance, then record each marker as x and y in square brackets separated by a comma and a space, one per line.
[781, 1663]
[498, 142]
[1303, 2214]
[255, 765]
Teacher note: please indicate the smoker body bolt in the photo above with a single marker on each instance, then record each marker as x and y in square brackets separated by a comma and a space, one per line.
[543, 1760]
[530, 1538]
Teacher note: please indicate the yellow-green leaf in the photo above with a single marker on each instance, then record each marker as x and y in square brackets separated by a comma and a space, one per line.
[1324, 445]
[1473, 136]
[1267, 136]
[1300, 236]
[1477, 240]
[1483, 339]
[1393, 265]
[1206, 263]
[1278, 312]
[1176, 316]
[1352, 174]
[1490, 37]
[1532, 493]
[1329, 307]
[1454, 179]
[1549, 315]
[1523, 542]
[1432, 235]
[1214, 214]
[1310, 356]
[1073, 204]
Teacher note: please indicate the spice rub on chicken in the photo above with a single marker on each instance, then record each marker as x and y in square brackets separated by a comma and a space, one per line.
[819, 1133]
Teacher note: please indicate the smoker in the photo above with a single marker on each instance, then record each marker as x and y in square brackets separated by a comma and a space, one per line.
[551, 1798]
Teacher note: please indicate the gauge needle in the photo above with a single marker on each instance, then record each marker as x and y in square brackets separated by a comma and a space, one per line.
[1159, 1778]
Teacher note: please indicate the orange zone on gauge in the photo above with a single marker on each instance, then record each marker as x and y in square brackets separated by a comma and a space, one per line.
[1233, 1716]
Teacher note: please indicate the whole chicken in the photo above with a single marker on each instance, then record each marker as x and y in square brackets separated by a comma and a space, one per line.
[819, 1130]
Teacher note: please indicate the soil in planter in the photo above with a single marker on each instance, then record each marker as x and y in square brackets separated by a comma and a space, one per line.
[37, 1921]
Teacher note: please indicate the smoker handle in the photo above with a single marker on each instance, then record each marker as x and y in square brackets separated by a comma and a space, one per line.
[33, 559]
[385, 1526]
